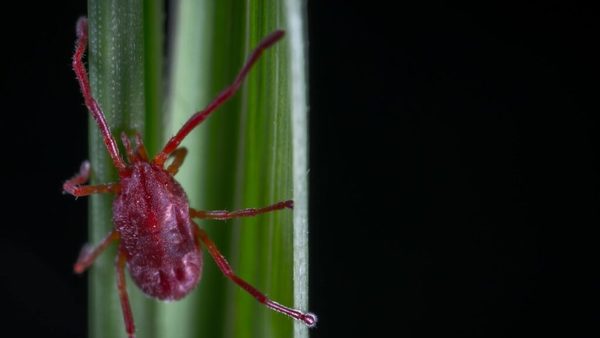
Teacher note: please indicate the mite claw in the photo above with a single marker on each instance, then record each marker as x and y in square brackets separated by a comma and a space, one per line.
[82, 26]
[310, 319]
[80, 265]
[289, 204]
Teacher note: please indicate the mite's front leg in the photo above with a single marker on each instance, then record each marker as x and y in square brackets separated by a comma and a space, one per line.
[178, 157]
[222, 215]
[74, 185]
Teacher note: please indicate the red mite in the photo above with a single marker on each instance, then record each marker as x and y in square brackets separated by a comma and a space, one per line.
[158, 241]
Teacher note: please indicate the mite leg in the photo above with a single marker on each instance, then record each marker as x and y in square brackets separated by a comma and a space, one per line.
[128, 148]
[88, 254]
[225, 95]
[308, 318]
[123, 297]
[141, 148]
[178, 157]
[140, 152]
[222, 215]
[90, 102]
[73, 186]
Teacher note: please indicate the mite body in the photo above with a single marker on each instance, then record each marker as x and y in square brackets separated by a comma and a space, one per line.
[158, 242]
[151, 215]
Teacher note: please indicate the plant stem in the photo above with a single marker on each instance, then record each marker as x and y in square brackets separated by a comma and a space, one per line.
[296, 14]
[121, 53]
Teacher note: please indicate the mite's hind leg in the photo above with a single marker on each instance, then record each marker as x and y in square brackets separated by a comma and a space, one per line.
[123, 297]
[73, 186]
[88, 254]
[222, 215]
[306, 317]
[178, 157]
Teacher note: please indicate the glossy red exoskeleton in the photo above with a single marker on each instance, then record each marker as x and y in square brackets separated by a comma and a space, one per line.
[158, 241]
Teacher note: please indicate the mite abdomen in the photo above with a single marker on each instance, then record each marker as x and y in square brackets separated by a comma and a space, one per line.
[163, 257]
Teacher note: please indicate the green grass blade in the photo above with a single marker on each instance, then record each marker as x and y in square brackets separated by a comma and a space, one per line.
[124, 66]
[207, 51]
[296, 14]
[243, 156]
[154, 18]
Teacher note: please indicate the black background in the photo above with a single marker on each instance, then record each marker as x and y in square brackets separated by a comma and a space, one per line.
[454, 177]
